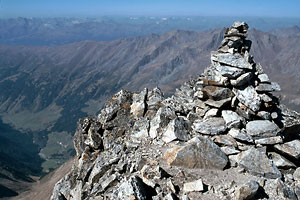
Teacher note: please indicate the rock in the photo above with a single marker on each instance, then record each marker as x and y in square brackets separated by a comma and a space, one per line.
[240, 135]
[229, 150]
[227, 71]
[195, 186]
[160, 121]
[256, 162]
[233, 60]
[248, 97]
[264, 115]
[290, 120]
[199, 94]
[217, 93]
[291, 148]
[232, 119]
[270, 140]
[263, 78]
[258, 129]
[280, 161]
[154, 99]
[268, 87]
[241, 80]
[215, 78]
[176, 129]
[284, 191]
[265, 98]
[225, 140]
[297, 191]
[170, 196]
[296, 174]
[210, 126]
[138, 106]
[247, 191]
[211, 113]
[185, 197]
[199, 152]
[171, 186]
[218, 104]
[133, 188]
[141, 128]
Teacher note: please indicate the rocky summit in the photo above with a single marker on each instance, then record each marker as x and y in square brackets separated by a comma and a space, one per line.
[222, 135]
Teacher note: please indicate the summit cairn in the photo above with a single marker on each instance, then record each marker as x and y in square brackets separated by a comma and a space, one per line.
[222, 135]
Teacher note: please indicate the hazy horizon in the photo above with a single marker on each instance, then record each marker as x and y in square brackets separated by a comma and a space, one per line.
[97, 8]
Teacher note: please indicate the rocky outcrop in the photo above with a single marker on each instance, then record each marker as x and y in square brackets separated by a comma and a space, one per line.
[217, 132]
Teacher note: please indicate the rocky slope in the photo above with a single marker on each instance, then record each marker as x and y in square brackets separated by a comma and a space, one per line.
[222, 135]
[44, 90]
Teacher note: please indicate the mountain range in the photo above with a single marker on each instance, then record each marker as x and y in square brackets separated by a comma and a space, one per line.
[45, 89]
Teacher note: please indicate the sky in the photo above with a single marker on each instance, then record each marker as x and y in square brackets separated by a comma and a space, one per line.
[94, 8]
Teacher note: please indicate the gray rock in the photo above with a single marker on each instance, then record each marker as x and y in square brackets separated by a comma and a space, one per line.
[225, 140]
[241, 80]
[264, 115]
[210, 126]
[160, 121]
[247, 191]
[155, 97]
[297, 191]
[217, 93]
[227, 71]
[195, 186]
[291, 148]
[218, 104]
[290, 120]
[199, 152]
[213, 77]
[234, 60]
[170, 196]
[171, 186]
[280, 161]
[263, 78]
[211, 113]
[265, 98]
[199, 94]
[268, 87]
[185, 197]
[296, 174]
[229, 150]
[141, 128]
[133, 188]
[258, 129]
[284, 191]
[240, 135]
[248, 97]
[232, 119]
[176, 130]
[269, 140]
[256, 162]
[138, 106]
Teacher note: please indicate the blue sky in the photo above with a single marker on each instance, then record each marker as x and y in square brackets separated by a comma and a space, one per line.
[93, 8]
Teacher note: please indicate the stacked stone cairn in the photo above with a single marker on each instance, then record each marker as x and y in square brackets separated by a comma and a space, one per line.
[222, 135]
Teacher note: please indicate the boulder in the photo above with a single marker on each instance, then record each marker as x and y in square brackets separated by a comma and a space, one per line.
[217, 93]
[210, 126]
[241, 80]
[199, 152]
[249, 97]
[247, 191]
[291, 148]
[176, 130]
[233, 60]
[280, 161]
[232, 119]
[258, 129]
[240, 135]
[227, 71]
[256, 162]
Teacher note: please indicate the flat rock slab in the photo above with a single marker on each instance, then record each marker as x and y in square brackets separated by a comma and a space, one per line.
[270, 140]
[210, 126]
[280, 161]
[195, 186]
[258, 129]
[217, 93]
[268, 87]
[249, 97]
[291, 148]
[256, 162]
[234, 60]
[227, 71]
[240, 135]
[218, 104]
[232, 119]
[199, 152]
